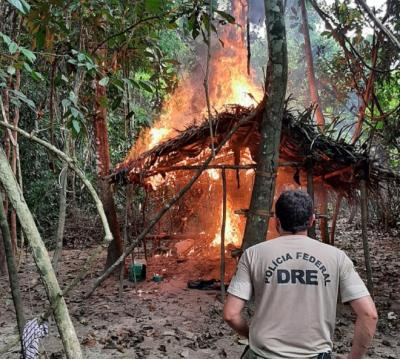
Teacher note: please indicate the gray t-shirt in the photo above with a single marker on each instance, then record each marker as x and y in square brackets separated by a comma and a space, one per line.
[295, 281]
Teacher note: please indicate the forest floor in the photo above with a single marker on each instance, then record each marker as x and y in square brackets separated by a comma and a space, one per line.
[168, 320]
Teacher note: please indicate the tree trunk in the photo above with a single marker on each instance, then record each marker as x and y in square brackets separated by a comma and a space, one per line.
[366, 96]
[222, 244]
[12, 273]
[62, 211]
[364, 233]
[312, 85]
[14, 158]
[270, 127]
[115, 248]
[310, 191]
[42, 260]
[319, 116]
[335, 217]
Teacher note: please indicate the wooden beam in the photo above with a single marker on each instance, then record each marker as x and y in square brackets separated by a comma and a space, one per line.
[364, 233]
[333, 174]
[310, 191]
[222, 264]
[335, 217]
[154, 172]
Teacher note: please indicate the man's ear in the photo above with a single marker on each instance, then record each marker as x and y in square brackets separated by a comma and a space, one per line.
[278, 225]
[311, 220]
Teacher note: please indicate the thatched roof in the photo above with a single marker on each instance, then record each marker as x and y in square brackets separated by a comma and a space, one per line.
[334, 161]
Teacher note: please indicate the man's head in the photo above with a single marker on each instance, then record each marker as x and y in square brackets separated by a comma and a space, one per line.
[294, 211]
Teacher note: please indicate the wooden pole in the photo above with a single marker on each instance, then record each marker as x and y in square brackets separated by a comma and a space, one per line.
[12, 274]
[310, 191]
[223, 236]
[158, 170]
[364, 223]
[335, 217]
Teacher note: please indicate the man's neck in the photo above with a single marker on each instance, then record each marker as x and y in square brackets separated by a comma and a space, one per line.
[284, 233]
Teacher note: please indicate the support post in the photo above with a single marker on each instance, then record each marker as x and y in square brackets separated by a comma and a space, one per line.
[364, 223]
[222, 268]
[310, 191]
[12, 274]
[335, 217]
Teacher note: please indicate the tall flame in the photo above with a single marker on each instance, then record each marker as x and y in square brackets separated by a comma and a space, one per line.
[229, 83]
[232, 230]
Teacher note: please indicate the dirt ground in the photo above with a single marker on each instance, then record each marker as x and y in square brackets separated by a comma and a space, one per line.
[168, 320]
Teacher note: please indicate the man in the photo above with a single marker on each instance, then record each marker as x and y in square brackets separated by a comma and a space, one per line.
[295, 282]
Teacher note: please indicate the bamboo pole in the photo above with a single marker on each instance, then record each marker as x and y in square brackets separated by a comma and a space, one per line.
[42, 260]
[12, 274]
[310, 191]
[223, 236]
[364, 227]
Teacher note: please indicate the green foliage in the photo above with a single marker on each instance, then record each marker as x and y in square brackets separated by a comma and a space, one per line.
[21, 5]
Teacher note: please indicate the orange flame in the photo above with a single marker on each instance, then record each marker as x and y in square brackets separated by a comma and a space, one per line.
[158, 134]
[229, 83]
[232, 231]
[213, 174]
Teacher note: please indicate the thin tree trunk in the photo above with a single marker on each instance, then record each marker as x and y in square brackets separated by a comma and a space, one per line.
[12, 274]
[5, 111]
[353, 211]
[270, 128]
[3, 260]
[312, 85]
[207, 75]
[364, 228]
[335, 217]
[366, 96]
[319, 116]
[222, 264]
[323, 208]
[62, 211]
[310, 191]
[20, 183]
[14, 158]
[42, 260]
[63, 177]
[115, 249]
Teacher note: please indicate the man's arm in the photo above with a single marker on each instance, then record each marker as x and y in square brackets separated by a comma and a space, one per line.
[364, 330]
[233, 315]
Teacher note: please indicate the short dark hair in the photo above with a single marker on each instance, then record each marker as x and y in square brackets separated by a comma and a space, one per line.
[294, 209]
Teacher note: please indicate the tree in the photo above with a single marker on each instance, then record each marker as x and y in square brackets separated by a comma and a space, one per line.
[312, 85]
[42, 260]
[270, 127]
[103, 169]
[319, 116]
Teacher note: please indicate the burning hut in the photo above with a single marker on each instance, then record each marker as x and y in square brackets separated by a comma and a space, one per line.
[308, 160]
[165, 158]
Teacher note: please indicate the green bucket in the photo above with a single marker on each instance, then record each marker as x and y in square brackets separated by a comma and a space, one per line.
[137, 272]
